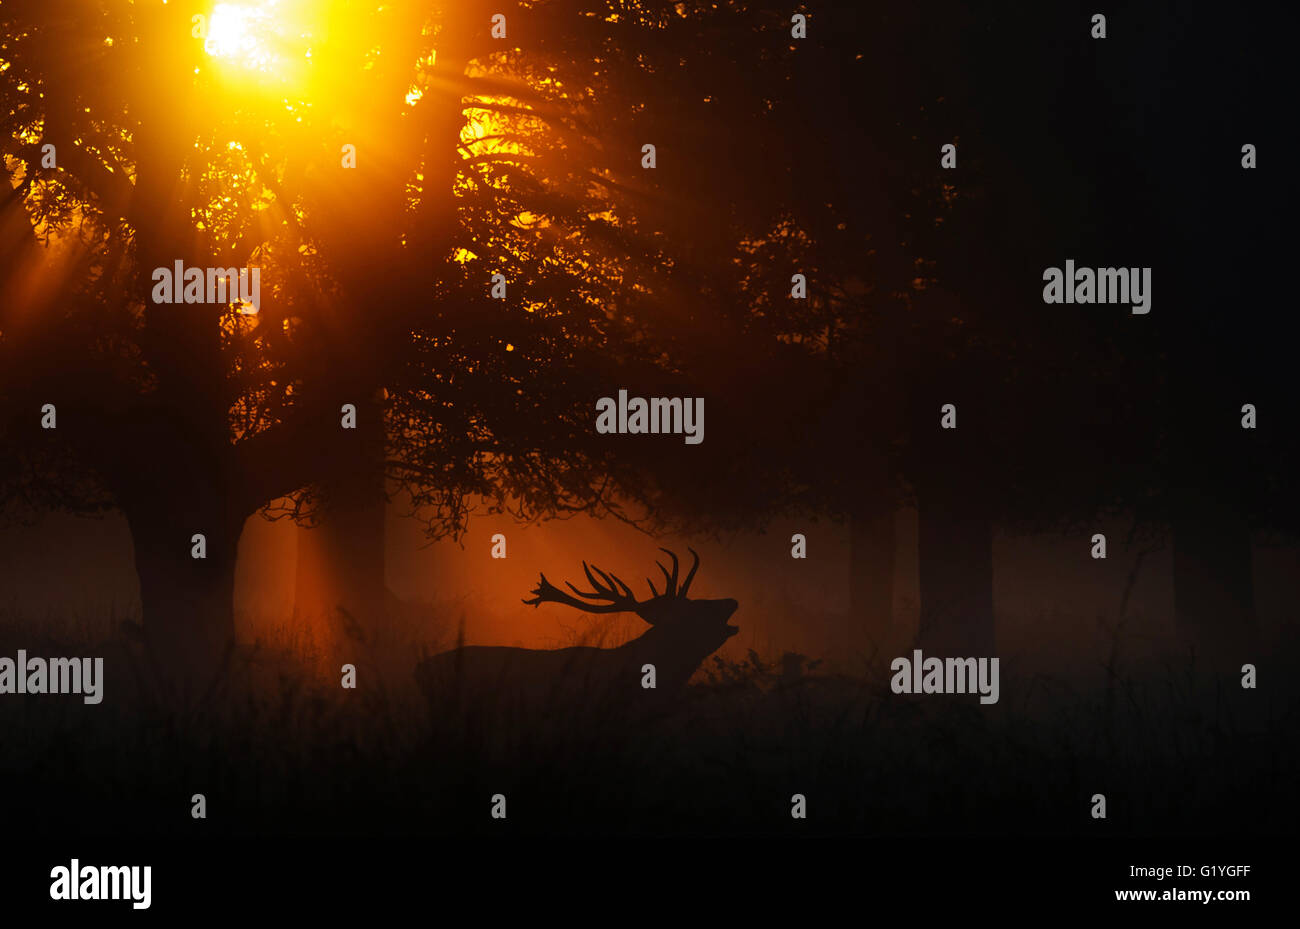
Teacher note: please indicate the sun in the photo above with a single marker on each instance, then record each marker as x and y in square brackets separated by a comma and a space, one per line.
[249, 35]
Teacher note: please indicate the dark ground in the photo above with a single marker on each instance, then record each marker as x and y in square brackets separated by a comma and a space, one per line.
[1176, 750]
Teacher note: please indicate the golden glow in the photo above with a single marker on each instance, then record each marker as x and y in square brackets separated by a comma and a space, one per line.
[264, 40]
[243, 33]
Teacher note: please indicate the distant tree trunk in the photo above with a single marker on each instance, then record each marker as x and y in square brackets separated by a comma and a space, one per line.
[1214, 594]
[955, 548]
[871, 563]
[954, 512]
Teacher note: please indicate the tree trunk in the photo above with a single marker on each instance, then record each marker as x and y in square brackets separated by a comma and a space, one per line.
[1214, 594]
[871, 569]
[955, 547]
[187, 603]
[1212, 471]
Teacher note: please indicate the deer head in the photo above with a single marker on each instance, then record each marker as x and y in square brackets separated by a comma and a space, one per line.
[682, 631]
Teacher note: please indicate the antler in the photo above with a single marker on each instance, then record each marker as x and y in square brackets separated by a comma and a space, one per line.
[618, 596]
[670, 585]
[621, 599]
[690, 575]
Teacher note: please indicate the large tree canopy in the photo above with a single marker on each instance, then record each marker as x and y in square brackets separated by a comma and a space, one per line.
[378, 168]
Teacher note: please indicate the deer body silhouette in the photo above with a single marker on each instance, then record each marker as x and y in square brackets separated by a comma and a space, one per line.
[682, 634]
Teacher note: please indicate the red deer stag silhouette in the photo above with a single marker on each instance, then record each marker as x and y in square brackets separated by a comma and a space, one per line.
[682, 633]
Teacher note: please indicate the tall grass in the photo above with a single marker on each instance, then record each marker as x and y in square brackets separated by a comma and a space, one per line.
[282, 748]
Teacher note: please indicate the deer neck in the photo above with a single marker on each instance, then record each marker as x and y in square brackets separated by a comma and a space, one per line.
[675, 656]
